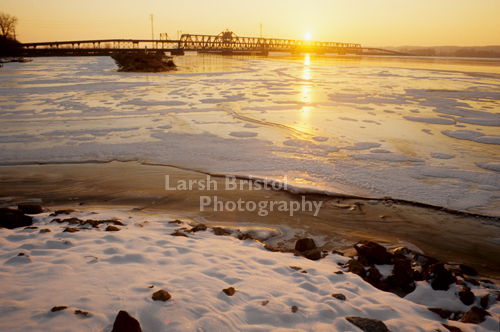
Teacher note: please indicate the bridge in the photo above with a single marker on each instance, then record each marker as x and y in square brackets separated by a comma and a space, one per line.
[226, 43]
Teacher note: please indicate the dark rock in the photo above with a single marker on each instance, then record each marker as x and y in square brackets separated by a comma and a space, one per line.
[294, 309]
[439, 276]
[363, 260]
[82, 313]
[71, 230]
[45, 230]
[467, 297]
[484, 301]
[30, 209]
[303, 271]
[402, 273]
[178, 222]
[277, 249]
[111, 228]
[229, 291]
[447, 314]
[10, 218]
[199, 227]
[382, 285]
[58, 212]
[368, 324]
[126, 323]
[245, 236]
[295, 268]
[264, 303]
[486, 281]
[452, 328]
[338, 272]
[31, 227]
[305, 244]
[355, 267]
[475, 315]
[161, 295]
[339, 296]
[219, 231]
[314, 254]
[440, 312]
[424, 260]
[468, 270]
[179, 234]
[472, 281]
[96, 223]
[59, 308]
[373, 273]
[373, 251]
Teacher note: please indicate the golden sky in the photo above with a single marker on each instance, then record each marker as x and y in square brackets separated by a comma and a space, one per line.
[366, 22]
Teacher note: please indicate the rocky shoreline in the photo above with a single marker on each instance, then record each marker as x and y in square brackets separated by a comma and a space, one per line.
[396, 271]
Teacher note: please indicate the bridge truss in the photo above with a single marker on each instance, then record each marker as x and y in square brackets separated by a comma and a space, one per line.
[225, 43]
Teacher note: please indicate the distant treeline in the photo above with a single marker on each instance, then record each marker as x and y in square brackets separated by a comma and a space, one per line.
[451, 51]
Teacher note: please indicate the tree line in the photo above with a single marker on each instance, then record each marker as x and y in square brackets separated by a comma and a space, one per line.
[9, 46]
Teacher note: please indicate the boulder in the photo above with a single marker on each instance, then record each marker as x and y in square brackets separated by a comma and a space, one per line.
[468, 270]
[373, 273]
[314, 254]
[439, 276]
[374, 252]
[30, 209]
[58, 308]
[485, 300]
[339, 296]
[355, 267]
[10, 218]
[305, 244]
[161, 295]
[294, 309]
[368, 324]
[475, 315]
[199, 227]
[126, 323]
[177, 233]
[112, 228]
[402, 273]
[467, 297]
[219, 231]
[452, 328]
[229, 291]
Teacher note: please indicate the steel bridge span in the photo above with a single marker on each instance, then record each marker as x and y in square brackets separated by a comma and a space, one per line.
[224, 43]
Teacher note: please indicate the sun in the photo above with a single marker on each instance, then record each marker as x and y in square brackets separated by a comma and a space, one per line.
[307, 36]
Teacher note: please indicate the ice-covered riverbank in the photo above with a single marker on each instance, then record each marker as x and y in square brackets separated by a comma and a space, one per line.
[423, 133]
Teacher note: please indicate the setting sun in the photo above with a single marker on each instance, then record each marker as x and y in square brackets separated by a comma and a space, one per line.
[307, 36]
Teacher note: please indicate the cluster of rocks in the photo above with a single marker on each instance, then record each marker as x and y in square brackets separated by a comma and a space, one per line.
[13, 218]
[409, 267]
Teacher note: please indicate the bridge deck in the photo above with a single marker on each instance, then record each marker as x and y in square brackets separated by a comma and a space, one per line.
[225, 43]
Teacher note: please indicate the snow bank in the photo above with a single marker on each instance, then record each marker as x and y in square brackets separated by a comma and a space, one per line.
[101, 272]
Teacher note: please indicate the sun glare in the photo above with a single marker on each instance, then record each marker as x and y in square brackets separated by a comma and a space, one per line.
[307, 36]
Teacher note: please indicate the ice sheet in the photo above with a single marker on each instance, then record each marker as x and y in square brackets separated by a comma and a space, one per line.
[354, 127]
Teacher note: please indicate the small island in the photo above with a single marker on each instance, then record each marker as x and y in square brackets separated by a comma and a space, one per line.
[143, 62]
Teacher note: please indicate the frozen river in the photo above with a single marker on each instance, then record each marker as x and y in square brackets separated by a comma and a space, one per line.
[416, 129]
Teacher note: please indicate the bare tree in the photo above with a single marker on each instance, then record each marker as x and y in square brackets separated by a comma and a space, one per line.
[7, 25]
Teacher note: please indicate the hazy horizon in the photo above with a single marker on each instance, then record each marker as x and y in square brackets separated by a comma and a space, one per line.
[384, 23]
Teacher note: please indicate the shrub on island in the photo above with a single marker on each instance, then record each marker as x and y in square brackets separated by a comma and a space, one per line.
[143, 62]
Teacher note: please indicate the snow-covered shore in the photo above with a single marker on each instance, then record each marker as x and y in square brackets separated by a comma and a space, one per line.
[102, 272]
